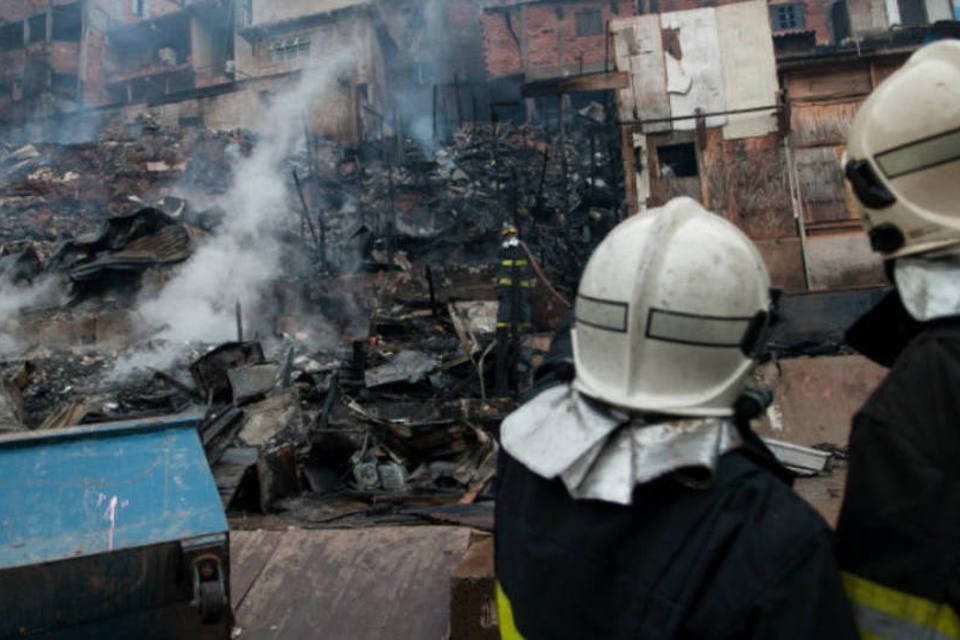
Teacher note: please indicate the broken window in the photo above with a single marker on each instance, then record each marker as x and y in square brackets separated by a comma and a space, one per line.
[64, 85]
[139, 8]
[589, 23]
[37, 28]
[289, 49]
[912, 12]
[787, 16]
[677, 160]
[67, 21]
[11, 36]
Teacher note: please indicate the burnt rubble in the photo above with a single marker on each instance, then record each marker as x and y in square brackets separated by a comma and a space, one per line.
[362, 384]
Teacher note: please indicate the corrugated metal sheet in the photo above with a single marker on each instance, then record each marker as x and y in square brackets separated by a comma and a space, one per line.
[749, 67]
[699, 63]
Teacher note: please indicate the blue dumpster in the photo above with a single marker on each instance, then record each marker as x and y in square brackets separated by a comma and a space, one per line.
[112, 531]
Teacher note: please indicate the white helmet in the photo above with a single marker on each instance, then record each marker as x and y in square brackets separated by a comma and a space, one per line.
[672, 307]
[903, 155]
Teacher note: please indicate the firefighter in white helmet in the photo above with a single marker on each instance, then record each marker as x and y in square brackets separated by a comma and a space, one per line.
[898, 535]
[633, 501]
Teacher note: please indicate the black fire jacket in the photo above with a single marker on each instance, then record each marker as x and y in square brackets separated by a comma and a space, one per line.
[898, 536]
[745, 558]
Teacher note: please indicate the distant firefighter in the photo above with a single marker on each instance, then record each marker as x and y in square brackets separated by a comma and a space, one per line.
[633, 500]
[513, 310]
[899, 530]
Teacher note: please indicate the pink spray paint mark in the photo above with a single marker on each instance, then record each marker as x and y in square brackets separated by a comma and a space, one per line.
[111, 515]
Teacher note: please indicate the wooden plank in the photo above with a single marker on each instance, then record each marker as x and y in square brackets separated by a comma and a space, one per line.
[748, 66]
[846, 80]
[596, 82]
[821, 185]
[696, 76]
[643, 46]
[822, 124]
[388, 582]
[621, 61]
[249, 553]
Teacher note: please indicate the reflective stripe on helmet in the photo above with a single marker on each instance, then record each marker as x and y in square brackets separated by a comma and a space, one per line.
[920, 155]
[698, 330]
[883, 612]
[602, 314]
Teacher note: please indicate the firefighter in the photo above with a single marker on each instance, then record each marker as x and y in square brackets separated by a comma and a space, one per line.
[898, 536]
[633, 501]
[513, 308]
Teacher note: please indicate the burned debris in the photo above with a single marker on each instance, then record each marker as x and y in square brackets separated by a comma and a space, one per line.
[388, 390]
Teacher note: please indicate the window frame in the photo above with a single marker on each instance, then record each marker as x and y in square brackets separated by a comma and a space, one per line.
[788, 16]
[588, 23]
[287, 49]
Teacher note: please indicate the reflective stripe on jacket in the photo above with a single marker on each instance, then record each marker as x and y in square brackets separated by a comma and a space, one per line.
[886, 613]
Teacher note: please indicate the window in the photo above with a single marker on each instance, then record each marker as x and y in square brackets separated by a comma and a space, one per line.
[787, 16]
[64, 85]
[289, 49]
[247, 16]
[139, 8]
[677, 160]
[67, 22]
[11, 36]
[589, 23]
[37, 28]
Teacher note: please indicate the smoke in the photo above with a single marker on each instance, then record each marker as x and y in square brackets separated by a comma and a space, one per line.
[14, 299]
[432, 51]
[241, 260]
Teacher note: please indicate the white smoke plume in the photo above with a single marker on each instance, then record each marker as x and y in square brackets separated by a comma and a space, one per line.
[237, 264]
[14, 299]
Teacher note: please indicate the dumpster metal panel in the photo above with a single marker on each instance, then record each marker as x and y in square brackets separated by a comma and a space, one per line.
[104, 529]
[87, 490]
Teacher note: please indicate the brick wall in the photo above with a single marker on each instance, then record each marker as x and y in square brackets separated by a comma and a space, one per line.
[816, 14]
[122, 10]
[548, 41]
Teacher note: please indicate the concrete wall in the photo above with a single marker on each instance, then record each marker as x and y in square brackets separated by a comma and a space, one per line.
[815, 398]
[843, 260]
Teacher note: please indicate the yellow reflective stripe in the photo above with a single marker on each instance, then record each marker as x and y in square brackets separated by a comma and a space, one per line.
[508, 629]
[883, 612]
[522, 262]
[509, 282]
[522, 325]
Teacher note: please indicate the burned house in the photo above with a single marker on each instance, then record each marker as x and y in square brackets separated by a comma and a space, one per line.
[718, 111]
[42, 54]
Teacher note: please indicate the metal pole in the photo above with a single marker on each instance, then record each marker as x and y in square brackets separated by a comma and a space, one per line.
[796, 201]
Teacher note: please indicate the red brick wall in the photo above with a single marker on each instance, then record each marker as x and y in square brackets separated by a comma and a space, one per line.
[94, 82]
[549, 32]
[19, 9]
[816, 19]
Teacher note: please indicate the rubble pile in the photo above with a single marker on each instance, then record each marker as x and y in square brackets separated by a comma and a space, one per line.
[405, 412]
[51, 192]
[369, 376]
